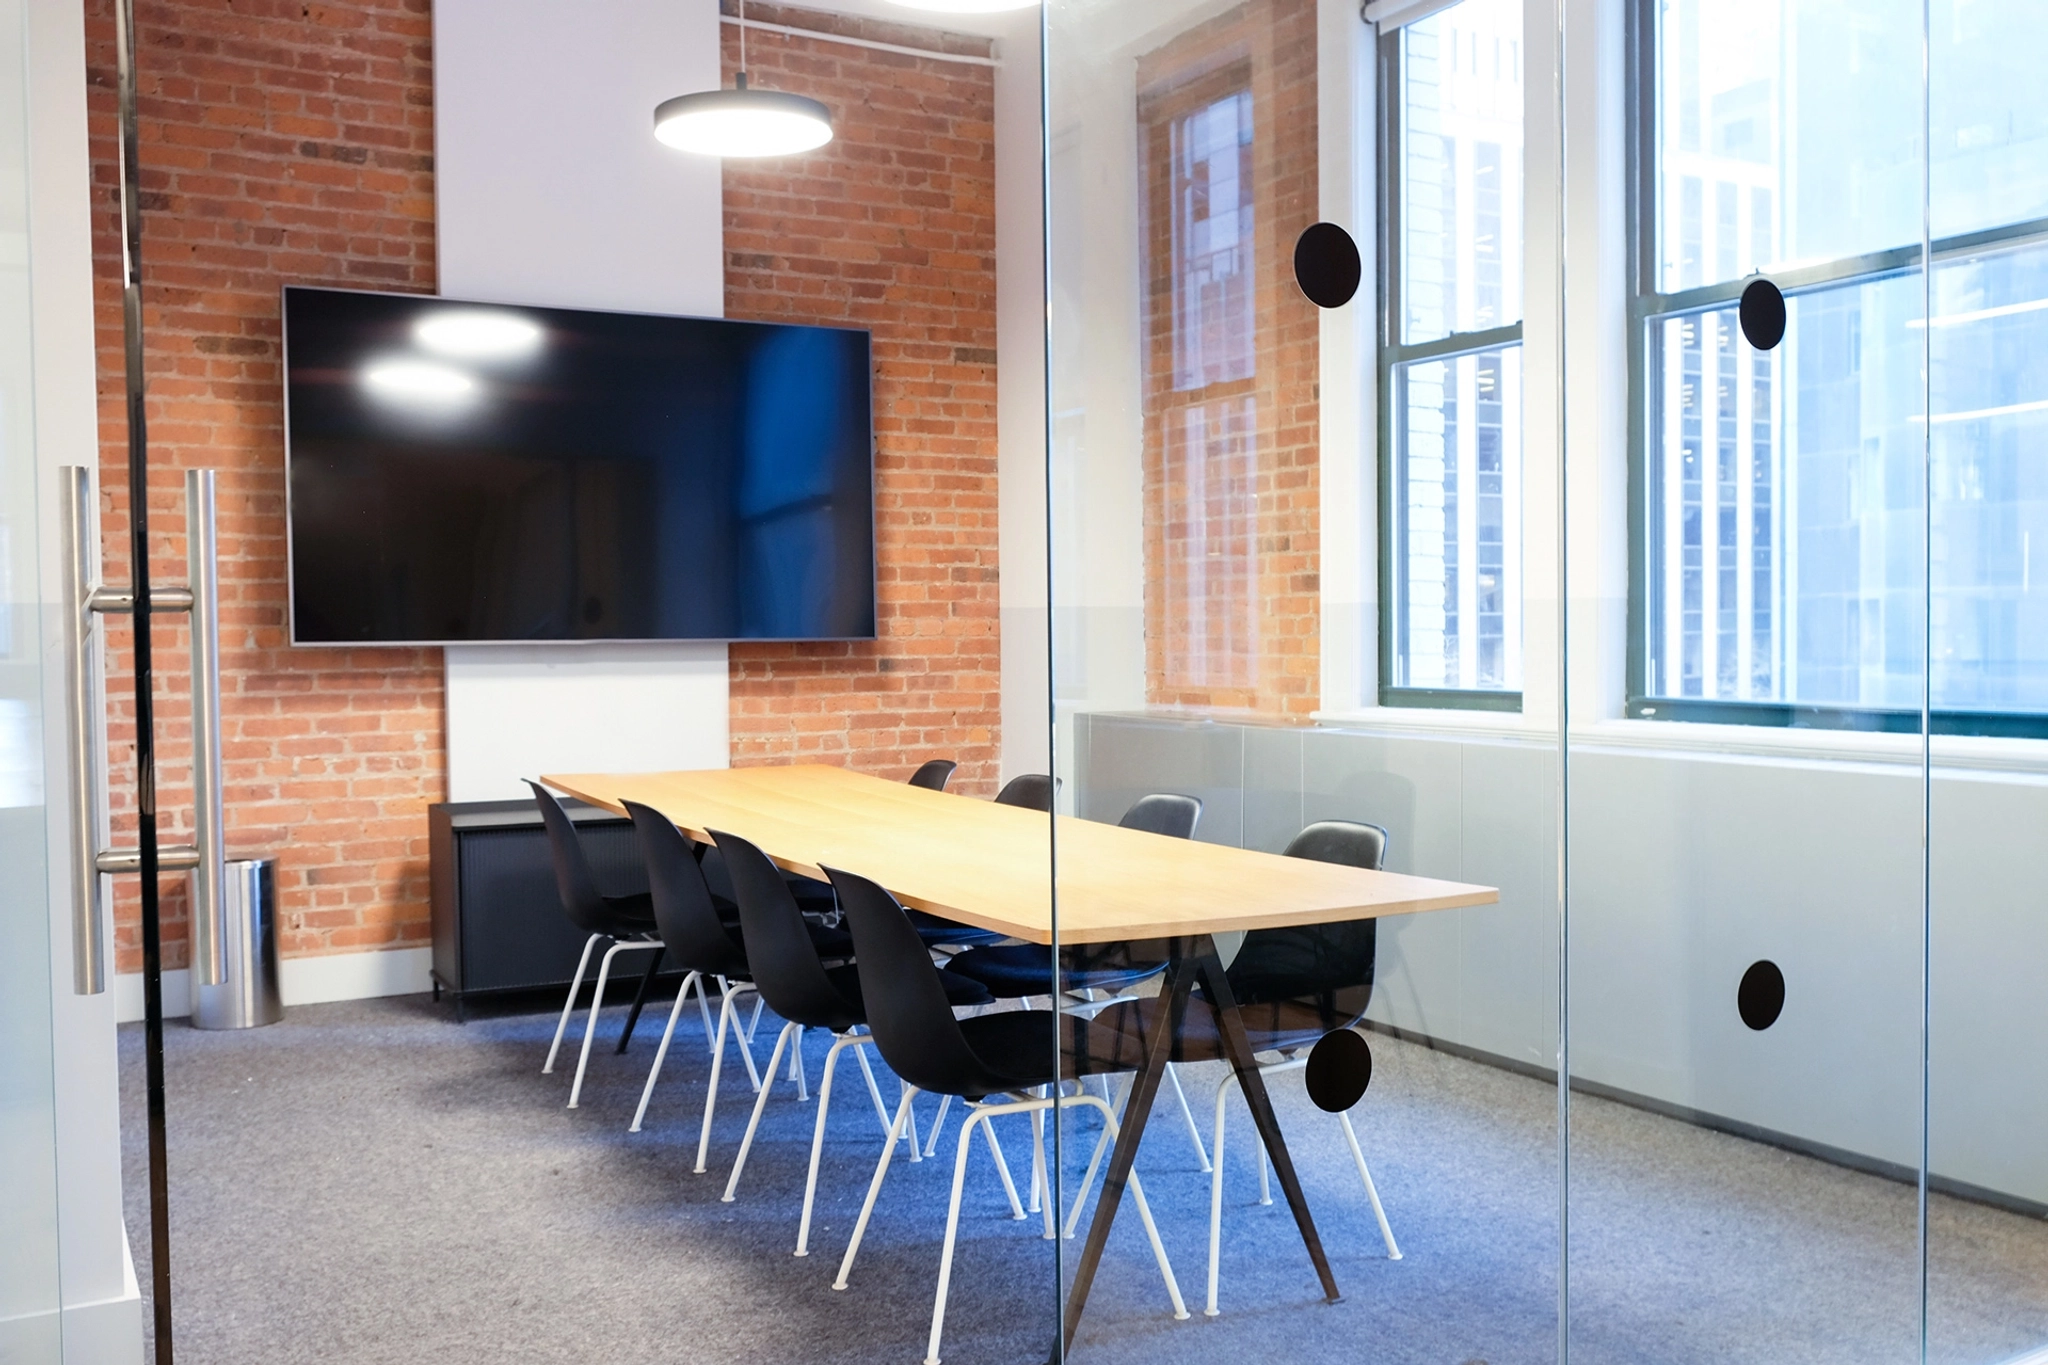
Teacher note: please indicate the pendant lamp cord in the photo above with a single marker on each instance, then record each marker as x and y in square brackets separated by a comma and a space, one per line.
[741, 83]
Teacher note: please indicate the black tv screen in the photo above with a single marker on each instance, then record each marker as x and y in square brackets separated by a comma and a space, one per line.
[479, 472]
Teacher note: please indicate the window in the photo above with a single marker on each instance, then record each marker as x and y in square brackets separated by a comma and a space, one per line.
[1226, 125]
[1451, 360]
[1781, 571]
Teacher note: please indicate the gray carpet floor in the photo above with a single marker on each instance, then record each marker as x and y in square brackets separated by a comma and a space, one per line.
[372, 1182]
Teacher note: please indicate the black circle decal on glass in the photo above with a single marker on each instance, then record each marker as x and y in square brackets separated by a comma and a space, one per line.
[1761, 996]
[1339, 1070]
[1326, 265]
[1763, 314]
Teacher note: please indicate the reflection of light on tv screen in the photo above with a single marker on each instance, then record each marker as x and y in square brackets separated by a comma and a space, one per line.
[472, 472]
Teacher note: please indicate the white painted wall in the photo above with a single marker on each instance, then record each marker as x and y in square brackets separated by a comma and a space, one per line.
[552, 190]
[1687, 866]
[102, 1304]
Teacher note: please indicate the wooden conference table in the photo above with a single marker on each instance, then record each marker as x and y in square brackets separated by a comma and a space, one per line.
[989, 866]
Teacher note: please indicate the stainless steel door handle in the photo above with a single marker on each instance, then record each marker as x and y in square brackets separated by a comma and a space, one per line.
[85, 727]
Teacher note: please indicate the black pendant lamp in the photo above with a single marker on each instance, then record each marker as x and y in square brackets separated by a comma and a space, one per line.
[743, 122]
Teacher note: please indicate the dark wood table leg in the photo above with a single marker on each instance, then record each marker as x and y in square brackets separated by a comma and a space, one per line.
[1238, 1048]
[1180, 980]
[646, 985]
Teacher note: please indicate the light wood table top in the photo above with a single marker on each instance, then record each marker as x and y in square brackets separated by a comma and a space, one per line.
[988, 865]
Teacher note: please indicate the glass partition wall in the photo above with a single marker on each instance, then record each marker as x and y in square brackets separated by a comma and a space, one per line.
[1252, 617]
[1645, 548]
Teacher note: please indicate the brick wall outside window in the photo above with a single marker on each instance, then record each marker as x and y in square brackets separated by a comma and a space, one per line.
[291, 141]
[1227, 135]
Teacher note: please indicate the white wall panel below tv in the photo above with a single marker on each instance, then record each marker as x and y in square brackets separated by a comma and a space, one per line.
[552, 190]
[517, 711]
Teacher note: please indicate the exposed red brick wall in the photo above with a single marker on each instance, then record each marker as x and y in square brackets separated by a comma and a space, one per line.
[1231, 446]
[286, 141]
[891, 226]
[283, 141]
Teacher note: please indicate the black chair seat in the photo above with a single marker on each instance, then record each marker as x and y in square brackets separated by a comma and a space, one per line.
[1280, 1026]
[937, 931]
[830, 942]
[959, 990]
[1020, 1045]
[626, 916]
[1012, 971]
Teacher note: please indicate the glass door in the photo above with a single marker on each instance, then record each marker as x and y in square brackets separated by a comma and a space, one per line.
[30, 1320]
[1746, 550]
[1986, 224]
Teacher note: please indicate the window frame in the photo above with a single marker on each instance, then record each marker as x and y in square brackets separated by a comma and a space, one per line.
[1646, 306]
[1392, 354]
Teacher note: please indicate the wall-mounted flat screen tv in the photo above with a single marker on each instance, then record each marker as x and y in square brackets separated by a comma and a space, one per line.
[467, 472]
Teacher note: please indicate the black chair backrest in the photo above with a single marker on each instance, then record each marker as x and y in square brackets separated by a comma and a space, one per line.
[907, 1010]
[934, 775]
[577, 885]
[785, 965]
[684, 912]
[1032, 791]
[1174, 816]
[1323, 970]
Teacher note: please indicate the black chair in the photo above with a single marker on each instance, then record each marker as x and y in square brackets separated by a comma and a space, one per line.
[1005, 1054]
[1017, 971]
[1032, 791]
[796, 983]
[625, 922]
[1021, 971]
[937, 930]
[700, 941]
[1292, 986]
[934, 775]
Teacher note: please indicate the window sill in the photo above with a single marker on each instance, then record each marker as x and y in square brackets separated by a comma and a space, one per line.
[1967, 753]
[1447, 721]
[1959, 753]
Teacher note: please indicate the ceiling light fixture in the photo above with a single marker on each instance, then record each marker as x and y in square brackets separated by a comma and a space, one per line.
[742, 122]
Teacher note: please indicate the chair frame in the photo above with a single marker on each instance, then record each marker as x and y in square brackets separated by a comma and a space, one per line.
[984, 1112]
[1291, 1063]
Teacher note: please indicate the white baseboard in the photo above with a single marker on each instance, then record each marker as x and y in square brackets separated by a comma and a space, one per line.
[306, 981]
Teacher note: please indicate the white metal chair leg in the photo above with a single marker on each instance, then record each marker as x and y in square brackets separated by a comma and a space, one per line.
[569, 1005]
[1216, 1201]
[915, 1157]
[1041, 1187]
[932, 1144]
[931, 1354]
[796, 1067]
[1095, 1158]
[1188, 1115]
[867, 1208]
[1265, 1175]
[995, 1149]
[596, 1000]
[740, 1035]
[711, 1089]
[843, 1041]
[661, 1053]
[1371, 1193]
[755, 1022]
[1180, 1308]
[704, 1007]
[874, 1091]
[739, 1162]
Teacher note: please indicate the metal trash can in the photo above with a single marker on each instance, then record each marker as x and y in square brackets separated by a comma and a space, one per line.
[249, 994]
